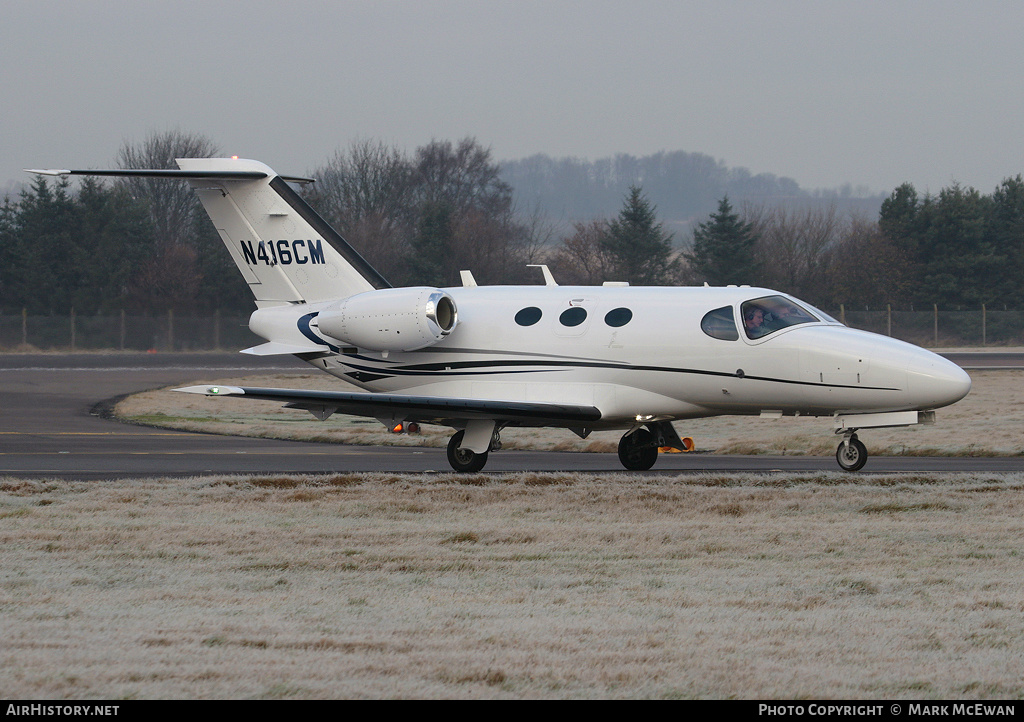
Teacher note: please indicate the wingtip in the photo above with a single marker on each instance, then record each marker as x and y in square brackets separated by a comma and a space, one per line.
[213, 390]
[47, 171]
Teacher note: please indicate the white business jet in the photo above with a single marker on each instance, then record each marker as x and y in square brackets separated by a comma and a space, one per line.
[587, 358]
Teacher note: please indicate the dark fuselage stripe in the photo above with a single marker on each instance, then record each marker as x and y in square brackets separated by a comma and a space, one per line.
[475, 368]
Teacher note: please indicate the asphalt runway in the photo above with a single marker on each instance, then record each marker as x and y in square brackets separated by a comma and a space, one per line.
[52, 425]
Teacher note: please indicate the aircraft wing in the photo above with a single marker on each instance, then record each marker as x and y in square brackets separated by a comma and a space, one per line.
[402, 407]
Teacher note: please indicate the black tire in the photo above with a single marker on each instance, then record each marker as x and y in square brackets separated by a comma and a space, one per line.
[852, 456]
[637, 451]
[464, 460]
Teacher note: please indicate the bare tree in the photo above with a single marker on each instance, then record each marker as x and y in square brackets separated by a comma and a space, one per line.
[540, 234]
[462, 177]
[421, 219]
[870, 267]
[366, 193]
[172, 205]
[466, 216]
[797, 247]
[581, 259]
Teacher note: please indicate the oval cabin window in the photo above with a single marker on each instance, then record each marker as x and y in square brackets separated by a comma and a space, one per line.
[573, 316]
[528, 316]
[618, 317]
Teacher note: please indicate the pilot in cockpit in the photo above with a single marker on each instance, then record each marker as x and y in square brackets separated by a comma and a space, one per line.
[753, 321]
[767, 315]
[781, 316]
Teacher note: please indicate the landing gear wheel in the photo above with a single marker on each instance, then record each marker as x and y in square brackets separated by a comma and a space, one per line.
[851, 456]
[464, 460]
[637, 451]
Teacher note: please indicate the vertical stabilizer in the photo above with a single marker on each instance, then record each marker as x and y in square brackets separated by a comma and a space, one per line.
[286, 252]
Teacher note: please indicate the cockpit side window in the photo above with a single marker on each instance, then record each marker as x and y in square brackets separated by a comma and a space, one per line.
[720, 324]
[763, 316]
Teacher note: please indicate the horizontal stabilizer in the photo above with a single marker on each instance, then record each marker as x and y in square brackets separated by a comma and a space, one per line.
[169, 173]
[425, 409]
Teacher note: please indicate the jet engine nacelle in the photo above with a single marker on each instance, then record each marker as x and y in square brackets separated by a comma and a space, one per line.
[392, 319]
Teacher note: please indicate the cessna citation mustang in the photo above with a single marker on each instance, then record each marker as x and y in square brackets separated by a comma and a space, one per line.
[586, 358]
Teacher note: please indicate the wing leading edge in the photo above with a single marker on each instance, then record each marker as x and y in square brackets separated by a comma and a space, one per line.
[424, 409]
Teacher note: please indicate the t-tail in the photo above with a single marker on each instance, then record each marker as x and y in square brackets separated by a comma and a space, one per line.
[285, 251]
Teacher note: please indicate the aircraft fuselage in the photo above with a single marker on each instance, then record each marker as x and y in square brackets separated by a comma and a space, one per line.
[642, 353]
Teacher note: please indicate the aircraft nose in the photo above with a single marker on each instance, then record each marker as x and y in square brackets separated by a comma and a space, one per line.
[934, 382]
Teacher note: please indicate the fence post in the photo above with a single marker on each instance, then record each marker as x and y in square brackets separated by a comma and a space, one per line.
[842, 314]
[888, 320]
[935, 322]
[984, 331]
[72, 329]
[216, 330]
[170, 329]
[122, 329]
[24, 327]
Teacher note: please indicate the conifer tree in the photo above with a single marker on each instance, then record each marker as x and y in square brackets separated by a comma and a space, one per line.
[639, 251]
[723, 249]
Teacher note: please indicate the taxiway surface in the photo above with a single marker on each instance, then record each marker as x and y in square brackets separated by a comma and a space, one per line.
[52, 426]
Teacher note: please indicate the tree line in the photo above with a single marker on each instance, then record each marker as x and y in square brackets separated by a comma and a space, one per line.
[681, 185]
[959, 248]
[421, 217]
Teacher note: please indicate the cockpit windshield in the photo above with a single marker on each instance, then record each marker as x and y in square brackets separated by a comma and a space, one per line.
[763, 316]
[821, 314]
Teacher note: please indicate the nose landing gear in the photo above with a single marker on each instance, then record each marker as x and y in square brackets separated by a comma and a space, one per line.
[851, 454]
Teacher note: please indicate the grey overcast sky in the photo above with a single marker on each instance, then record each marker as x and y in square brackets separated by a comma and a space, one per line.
[873, 93]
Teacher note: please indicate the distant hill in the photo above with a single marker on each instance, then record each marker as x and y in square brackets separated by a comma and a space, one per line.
[685, 187]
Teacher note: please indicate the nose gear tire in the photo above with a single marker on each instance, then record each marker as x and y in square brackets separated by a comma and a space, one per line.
[852, 456]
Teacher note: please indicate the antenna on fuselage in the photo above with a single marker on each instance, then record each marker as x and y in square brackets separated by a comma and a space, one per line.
[549, 280]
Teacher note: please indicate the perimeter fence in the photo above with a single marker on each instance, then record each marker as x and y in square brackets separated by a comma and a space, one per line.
[167, 332]
[939, 328]
[934, 327]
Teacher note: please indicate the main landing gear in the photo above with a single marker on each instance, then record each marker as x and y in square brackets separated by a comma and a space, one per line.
[851, 454]
[485, 435]
[464, 460]
[638, 449]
